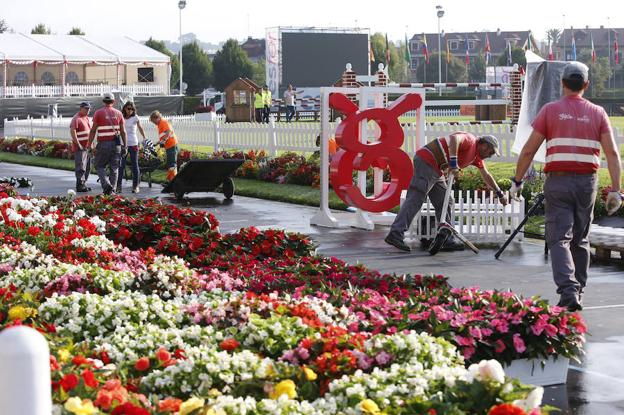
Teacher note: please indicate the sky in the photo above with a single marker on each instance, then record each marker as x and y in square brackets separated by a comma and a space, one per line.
[216, 21]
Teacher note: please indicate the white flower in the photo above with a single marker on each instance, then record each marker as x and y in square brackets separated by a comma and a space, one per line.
[71, 193]
[488, 370]
[533, 399]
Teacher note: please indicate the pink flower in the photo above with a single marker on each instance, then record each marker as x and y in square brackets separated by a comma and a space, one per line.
[518, 343]
[499, 346]
[500, 325]
[464, 341]
[468, 352]
[551, 330]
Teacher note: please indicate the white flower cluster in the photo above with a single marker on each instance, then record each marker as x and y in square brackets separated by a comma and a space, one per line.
[97, 242]
[26, 256]
[227, 404]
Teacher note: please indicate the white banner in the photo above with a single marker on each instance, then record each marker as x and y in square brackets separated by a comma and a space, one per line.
[272, 61]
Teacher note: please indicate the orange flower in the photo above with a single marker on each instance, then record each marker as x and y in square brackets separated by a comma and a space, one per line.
[142, 364]
[506, 409]
[229, 344]
[169, 405]
[163, 355]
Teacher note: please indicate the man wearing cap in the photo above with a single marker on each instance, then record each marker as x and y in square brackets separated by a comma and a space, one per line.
[450, 154]
[574, 130]
[108, 123]
[79, 130]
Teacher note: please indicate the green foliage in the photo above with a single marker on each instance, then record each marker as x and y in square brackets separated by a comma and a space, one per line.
[517, 56]
[159, 45]
[41, 29]
[476, 71]
[230, 63]
[599, 73]
[197, 68]
[553, 35]
[76, 31]
[259, 72]
[456, 70]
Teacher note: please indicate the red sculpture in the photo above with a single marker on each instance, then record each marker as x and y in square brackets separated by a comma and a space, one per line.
[354, 155]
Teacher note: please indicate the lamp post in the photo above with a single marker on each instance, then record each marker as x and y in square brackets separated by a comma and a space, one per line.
[440, 14]
[181, 5]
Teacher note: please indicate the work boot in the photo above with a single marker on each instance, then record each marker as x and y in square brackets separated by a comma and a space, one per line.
[452, 244]
[570, 302]
[135, 189]
[108, 190]
[82, 188]
[397, 243]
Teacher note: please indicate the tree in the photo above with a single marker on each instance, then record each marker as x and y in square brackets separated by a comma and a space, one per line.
[455, 71]
[599, 73]
[230, 63]
[41, 29]
[76, 31]
[378, 45]
[259, 72]
[476, 70]
[553, 35]
[3, 26]
[197, 68]
[159, 45]
[517, 56]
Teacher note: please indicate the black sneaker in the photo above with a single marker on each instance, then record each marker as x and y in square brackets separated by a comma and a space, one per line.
[82, 188]
[571, 303]
[397, 243]
[452, 244]
[108, 190]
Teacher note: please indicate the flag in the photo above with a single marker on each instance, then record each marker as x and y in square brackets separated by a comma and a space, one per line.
[509, 60]
[488, 51]
[448, 53]
[371, 55]
[573, 56]
[408, 53]
[616, 51]
[467, 51]
[424, 48]
[387, 52]
[551, 57]
[593, 51]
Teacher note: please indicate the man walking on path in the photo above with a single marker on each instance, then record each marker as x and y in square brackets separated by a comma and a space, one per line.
[451, 153]
[79, 129]
[289, 101]
[108, 123]
[574, 130]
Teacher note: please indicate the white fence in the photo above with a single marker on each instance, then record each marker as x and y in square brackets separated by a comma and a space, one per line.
[79, 90]
[273, 137]
[476, 215]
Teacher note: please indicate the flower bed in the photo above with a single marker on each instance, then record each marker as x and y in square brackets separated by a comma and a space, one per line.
[149, 309]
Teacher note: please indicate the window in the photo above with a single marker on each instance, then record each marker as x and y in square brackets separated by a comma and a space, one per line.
[47, 78]
[145, 74]
[21, 78]
[471, 44]
[71, 78]
[240, 97]
[453, 44]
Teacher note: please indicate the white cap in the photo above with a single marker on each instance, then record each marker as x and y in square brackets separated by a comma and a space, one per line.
[108, 96]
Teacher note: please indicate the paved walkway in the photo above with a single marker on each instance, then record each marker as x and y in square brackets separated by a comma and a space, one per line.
[596, 386]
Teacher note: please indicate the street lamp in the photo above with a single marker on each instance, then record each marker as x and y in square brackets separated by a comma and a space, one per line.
[440, 14]
[181, 5]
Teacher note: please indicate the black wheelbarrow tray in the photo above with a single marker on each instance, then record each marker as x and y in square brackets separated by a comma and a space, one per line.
[204, 176]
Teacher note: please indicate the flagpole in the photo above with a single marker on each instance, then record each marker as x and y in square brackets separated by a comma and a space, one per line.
[609, 48]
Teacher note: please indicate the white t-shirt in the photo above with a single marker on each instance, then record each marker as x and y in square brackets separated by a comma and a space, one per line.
[289, 97]
[131, 130]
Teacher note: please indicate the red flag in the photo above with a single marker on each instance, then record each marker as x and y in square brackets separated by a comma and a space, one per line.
[488, 50]
[425, 49]
[551, 56]
[616, 50]
[593, 51]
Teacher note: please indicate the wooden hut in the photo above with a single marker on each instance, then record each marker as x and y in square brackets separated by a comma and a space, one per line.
[239, 100]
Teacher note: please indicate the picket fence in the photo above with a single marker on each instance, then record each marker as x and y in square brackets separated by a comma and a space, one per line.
[20, 91]
[273, 137]
[477, 215]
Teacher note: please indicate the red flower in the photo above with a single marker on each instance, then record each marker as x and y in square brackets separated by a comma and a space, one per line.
[163, 355]
[34, 230]
[142, 364]
[80, 360]
[169, 405]
[506, 409]
[69, 382]
[229, 344]
[89, 379]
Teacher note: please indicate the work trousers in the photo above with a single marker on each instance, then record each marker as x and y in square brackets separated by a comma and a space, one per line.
[107, 153]
[82, 163]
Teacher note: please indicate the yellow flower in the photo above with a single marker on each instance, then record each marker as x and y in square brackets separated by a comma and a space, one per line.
[213, 393]
[78, 406]
[309, 373]
[21, 312]
[211, 411]
[190, 405]
[27, 297]
[285, 387]
[64, 355]
[368, 406]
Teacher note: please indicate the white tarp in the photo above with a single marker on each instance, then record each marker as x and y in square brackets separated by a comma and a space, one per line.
[542, 85]
[18, 47]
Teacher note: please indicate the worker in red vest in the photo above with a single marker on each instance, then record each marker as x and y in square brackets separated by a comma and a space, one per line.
[574, 130]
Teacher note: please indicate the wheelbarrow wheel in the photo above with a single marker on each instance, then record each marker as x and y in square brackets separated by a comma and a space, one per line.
[228, 187]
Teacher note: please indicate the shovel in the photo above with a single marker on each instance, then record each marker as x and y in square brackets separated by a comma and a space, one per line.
[445, 230]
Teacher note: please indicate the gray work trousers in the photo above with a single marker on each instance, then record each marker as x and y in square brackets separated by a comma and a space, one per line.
[569, 214]
[425, 182]
[82, 163]
[107, 154]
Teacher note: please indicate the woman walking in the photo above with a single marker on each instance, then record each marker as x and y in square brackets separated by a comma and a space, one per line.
[132, 124]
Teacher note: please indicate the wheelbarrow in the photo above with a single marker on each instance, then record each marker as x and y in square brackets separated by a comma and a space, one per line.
[204, 176]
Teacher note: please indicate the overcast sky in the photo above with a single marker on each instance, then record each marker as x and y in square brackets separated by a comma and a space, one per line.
[217, 20]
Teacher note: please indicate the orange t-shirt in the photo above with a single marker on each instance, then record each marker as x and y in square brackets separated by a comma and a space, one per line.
[164, 126]
[332, 146]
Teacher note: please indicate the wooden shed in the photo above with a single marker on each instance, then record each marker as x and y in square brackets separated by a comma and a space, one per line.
[239, 100]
